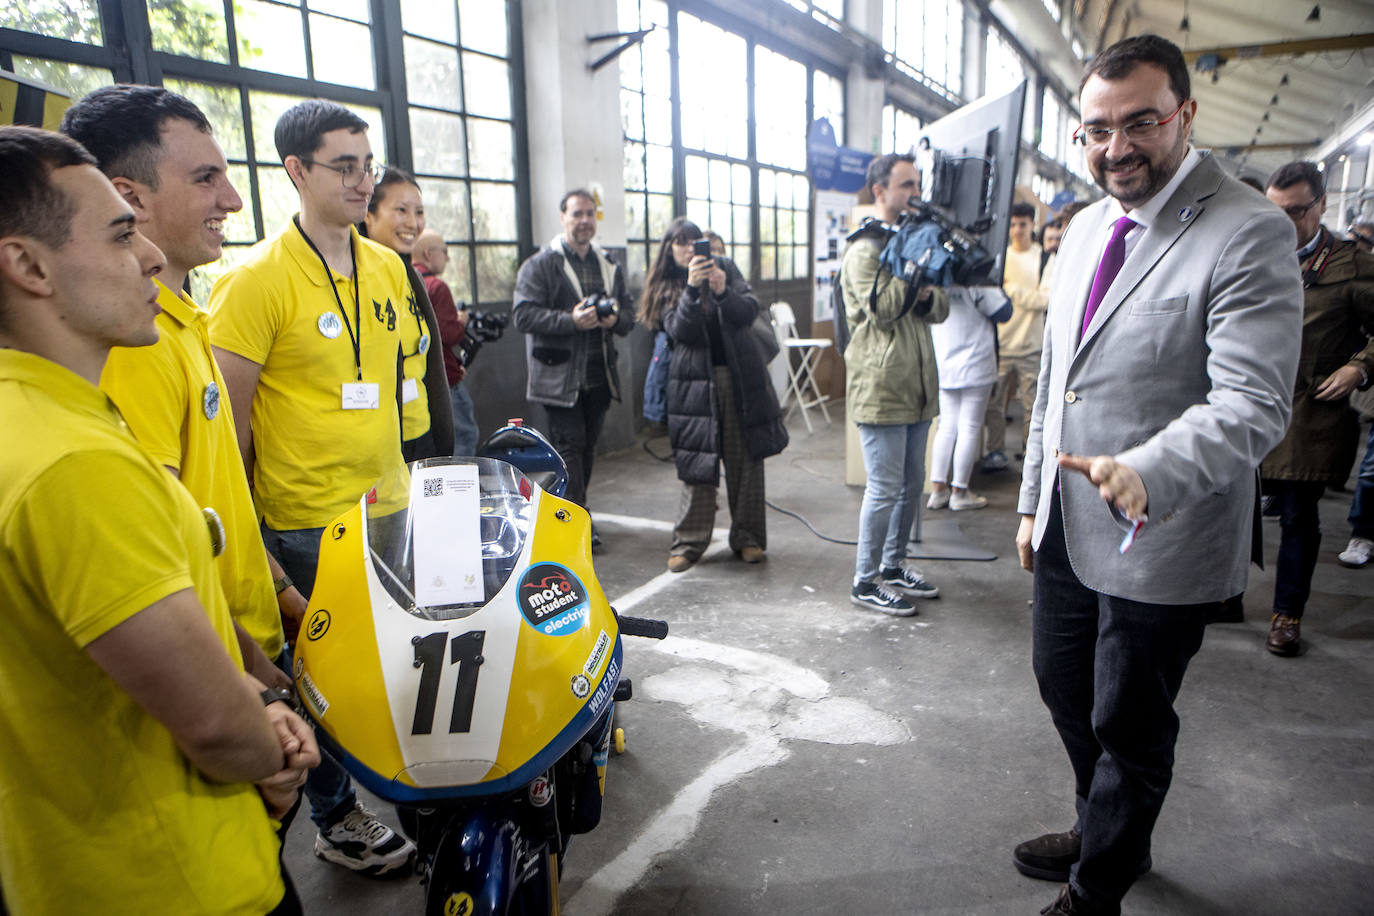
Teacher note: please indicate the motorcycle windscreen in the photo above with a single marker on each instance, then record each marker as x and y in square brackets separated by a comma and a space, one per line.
[476, 645]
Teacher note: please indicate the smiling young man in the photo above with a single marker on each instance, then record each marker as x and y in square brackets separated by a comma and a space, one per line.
[133, 737]
[1166, 376]
[305, 333]
[157, 149]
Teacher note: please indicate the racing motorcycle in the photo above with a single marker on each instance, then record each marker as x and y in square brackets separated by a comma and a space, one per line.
[462, 662]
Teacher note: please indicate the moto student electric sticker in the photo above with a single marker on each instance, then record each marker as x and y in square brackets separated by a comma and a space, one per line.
[552, 599]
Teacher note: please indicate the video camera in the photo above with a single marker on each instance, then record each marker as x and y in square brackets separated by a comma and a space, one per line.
[482, 327]
[970, 262]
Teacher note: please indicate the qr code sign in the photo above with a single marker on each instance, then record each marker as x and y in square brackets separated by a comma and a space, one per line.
[434, 486]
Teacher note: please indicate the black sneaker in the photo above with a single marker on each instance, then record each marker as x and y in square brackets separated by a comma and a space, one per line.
[880, 598]
[914, 584]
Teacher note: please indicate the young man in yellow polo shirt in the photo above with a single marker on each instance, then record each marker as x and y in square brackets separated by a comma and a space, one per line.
[157, 148]
[132, 736]
[305, 331]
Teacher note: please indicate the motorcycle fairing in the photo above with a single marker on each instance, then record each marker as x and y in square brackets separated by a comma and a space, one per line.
[428, 709]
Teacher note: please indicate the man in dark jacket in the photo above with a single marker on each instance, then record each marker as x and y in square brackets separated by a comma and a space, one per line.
[571, 357]
[1337, 357]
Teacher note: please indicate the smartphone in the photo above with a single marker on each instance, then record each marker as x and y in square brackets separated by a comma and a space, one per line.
[701, 248]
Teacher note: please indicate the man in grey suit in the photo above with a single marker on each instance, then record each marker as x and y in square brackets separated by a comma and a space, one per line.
[1169, 356]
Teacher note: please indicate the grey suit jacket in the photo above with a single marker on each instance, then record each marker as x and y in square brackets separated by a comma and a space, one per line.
[1185, 374]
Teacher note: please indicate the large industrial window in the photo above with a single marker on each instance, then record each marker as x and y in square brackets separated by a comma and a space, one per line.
[827, 12]
[737, 162]
[925, 39]
[901, 129]
[244, 62]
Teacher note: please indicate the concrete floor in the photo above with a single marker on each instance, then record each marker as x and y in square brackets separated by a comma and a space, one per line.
[790, 753]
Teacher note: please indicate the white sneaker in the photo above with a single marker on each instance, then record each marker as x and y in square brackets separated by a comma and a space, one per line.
[966, 500]
[938, 499]
[361, 842]
[1357, 553]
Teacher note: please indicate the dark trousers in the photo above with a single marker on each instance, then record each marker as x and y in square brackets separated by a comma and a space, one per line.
[573, 432]
[328, 787]
[743, 485]
[1109, 670]
[1300, 539]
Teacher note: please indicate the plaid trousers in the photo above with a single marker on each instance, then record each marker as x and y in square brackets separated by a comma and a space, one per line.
[743, 483]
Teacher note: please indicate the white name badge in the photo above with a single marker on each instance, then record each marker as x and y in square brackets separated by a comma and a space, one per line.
[361, 396]
[410, 390]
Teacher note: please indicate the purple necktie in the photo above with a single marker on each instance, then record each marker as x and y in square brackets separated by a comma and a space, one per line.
[1107, 269]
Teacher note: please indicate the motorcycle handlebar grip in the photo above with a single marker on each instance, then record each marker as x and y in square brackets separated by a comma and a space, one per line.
[642, 626]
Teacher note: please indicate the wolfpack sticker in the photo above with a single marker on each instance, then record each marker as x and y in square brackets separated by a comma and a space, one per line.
[552, 599]
[459, 904]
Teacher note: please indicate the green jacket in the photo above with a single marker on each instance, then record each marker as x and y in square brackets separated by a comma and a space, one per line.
[889, 363]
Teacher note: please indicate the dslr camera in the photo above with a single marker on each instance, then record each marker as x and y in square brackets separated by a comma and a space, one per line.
[482, 327]
[605, 305]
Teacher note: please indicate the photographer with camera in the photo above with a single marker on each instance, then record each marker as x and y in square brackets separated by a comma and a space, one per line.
[721, 404]
[568, 295]
[892, 393]
[430, 258]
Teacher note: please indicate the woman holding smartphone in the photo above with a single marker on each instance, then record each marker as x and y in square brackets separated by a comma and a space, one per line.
[721, 404]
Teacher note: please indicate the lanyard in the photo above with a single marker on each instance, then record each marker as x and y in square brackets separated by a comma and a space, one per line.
[355, 339]
[1320, 260]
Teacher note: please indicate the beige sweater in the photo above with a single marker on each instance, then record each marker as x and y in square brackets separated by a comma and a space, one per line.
[1022, 334]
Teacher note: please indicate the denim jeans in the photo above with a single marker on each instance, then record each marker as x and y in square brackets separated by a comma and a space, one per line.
[1109, 670]
[1362, 506]
[1300, 539]
[464, 421]
[328, 787]
[894, 459]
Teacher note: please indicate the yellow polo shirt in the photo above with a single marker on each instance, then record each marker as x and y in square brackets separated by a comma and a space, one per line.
[99, 809]
[312, 458]
[173, 397]
[415, 407]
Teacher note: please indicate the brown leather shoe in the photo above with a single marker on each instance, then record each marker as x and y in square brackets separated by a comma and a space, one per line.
[751, 554]
[1068, 903]
[678, 563]
[1284, 637]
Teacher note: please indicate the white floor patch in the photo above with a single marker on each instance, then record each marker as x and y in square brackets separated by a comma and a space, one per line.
[766, 699]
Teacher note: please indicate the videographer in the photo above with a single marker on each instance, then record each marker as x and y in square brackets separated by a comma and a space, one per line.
[430, 258]
[568, 295]
[892, 393]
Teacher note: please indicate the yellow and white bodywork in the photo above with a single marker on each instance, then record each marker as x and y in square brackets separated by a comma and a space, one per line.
[476, 674]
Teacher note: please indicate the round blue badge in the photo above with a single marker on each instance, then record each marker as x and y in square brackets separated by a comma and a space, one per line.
[209, 401]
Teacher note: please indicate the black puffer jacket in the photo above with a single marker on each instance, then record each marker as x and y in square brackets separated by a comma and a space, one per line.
[693, 428]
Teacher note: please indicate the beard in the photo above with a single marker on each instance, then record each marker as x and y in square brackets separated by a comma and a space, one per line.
[1147, 182]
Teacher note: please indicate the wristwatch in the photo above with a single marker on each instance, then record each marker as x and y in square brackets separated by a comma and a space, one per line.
[276, 695]
[283, 583]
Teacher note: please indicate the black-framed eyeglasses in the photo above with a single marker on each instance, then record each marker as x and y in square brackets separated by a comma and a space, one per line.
[1298, 211]
[1138, 131]
[350, 174]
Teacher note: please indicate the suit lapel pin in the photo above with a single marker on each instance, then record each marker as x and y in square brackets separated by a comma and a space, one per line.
[1185, 214]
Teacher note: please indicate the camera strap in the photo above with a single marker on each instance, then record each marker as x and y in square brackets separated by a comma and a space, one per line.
[913, 289]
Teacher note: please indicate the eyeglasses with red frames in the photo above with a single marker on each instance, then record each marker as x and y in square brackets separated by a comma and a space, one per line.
[1138, 130]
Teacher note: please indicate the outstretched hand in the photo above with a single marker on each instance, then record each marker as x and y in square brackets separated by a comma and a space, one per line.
[1118, 484]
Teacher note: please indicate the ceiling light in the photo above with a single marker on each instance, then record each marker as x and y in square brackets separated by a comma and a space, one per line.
[1274, 100]
[1214, 77]
[1266, 117]
[1183, 26]
[1284, 81]
[1316, 14]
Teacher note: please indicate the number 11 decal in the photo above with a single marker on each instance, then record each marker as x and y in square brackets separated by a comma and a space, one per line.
[465, 652]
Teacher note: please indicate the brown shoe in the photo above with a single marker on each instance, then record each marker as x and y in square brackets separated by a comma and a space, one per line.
[1068, 903]
[678, 563]
[1284, 637]
[751, 554]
